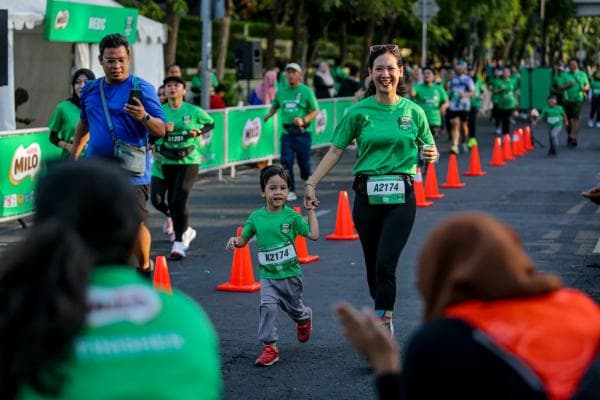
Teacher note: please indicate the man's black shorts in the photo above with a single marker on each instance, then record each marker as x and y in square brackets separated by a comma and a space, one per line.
[142, 193]
[463, 115]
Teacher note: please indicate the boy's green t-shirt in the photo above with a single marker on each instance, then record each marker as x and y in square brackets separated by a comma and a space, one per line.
[504, 100]
[430, 98]
[574, 93]
[64, 120]
[275, 235]
[388, 136]
[554, 116]
[184, 118]
[294, 102]
[140, 344]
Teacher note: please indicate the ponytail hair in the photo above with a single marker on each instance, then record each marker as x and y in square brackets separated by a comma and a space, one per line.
[401, 89]
[83, 219]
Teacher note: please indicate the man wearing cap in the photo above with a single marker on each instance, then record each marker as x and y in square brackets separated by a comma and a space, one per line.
[179, 157]
[119, 111]
[299, 107]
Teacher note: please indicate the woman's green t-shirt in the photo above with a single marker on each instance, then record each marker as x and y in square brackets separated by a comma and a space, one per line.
[64, 120]
[388, 136]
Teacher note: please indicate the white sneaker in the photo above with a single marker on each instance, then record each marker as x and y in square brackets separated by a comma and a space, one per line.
[292, 196]
[178, 250]
[188, 236]
[590, 123]
[168, 226]
[597, 124]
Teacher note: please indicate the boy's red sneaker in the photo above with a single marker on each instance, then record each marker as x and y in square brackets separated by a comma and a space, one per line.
[304, 330]
[269, 356]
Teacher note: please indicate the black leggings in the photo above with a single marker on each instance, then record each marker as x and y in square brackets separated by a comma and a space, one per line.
[473, 121]
[503, 117]
[383, 231]
[158, 193]
[595, 109]
[180, 180]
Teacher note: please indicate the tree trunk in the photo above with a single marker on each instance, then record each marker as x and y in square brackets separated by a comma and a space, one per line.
[269, 58]
[343, 42]
[224, 31]
[173, 19]
[297, 35]
[369, 34]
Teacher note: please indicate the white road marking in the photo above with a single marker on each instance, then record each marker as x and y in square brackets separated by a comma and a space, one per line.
[597, 248]
[577, 208]
[322, 212]
[553, 234]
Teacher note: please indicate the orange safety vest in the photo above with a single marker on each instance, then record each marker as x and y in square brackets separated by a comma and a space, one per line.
[556, 335]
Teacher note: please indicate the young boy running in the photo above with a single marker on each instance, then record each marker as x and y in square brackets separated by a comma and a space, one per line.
[555, 117]
[276, 227]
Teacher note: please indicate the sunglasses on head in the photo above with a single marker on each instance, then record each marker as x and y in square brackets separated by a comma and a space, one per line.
[379, 47]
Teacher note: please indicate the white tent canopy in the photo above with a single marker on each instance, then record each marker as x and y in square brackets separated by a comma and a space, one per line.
[44, 68]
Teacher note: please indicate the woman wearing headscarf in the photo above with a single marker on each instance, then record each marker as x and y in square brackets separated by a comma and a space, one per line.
[323, 82]
[66, 115]
[494, 327]
[265, 92]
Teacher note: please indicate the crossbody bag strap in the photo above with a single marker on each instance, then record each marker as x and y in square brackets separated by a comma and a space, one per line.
[106, 114]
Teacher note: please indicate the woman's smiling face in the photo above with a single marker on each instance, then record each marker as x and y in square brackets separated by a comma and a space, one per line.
[386, 73]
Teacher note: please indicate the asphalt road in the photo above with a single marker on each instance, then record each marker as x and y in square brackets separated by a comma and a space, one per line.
[537, 195]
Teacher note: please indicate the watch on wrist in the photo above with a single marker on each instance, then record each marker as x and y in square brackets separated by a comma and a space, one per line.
[145, 118]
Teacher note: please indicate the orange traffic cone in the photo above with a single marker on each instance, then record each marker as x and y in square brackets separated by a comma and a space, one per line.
[528, 141]
[162, 280]
[515, 145]
[344, 225]
[506, 148]
[474, 163]
[431, 184]
[452, 176]
[302, 248]
[497, 159]
[522, 145]
[241, 278]
[419, 191]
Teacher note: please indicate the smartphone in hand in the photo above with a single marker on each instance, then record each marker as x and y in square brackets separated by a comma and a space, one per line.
[134, 93]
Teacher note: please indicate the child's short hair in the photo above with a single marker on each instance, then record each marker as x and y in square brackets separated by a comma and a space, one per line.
[267, 172]
[553, 96]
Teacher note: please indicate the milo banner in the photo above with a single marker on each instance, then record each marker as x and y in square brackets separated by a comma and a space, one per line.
[22, 159]
[212, 144]
[66, 21]
[249, 137]
[322, 125]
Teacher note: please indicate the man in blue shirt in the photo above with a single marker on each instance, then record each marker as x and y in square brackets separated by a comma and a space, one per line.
[131, 123]
[460, 91]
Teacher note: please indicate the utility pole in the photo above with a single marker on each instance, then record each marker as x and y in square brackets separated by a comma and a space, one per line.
[205, 17]
[543, 22]
[424, 19]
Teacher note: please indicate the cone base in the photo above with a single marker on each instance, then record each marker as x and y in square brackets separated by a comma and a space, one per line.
[453, 185]
[438, 196]
[480, 173]
[425, 204]
[166, 289]
[498, 164]
[335, 236]
[228, 287]
[308, 259]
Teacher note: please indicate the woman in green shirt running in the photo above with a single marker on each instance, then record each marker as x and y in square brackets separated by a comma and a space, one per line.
[66, 115]
[389, 131]
[180, 158]
[78, 322]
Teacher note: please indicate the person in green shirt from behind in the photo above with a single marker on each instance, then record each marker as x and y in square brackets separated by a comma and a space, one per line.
[574, 86]
[276, 226]
[555, 117]
[66, 115]
[503, 98]
[432, 98]
[197, 84]
[181, 158]
[475, 105]
[88, 326]
[298, 107]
